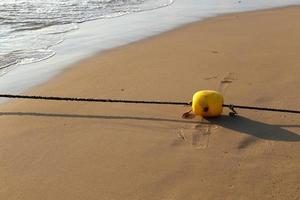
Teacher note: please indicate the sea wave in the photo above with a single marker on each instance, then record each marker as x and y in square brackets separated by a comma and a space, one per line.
[29, 28]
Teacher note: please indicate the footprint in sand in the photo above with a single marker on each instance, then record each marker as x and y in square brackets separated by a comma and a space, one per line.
[197, 136]
[227, 80]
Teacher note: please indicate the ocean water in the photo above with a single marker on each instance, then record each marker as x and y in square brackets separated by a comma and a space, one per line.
[41, 38]
[29, 28]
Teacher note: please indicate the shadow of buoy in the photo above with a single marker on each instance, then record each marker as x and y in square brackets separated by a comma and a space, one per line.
[256, 128]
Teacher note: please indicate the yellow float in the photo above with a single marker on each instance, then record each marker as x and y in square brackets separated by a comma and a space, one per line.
[207, 103]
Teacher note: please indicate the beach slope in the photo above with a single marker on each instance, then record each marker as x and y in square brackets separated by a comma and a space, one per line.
[64, 150]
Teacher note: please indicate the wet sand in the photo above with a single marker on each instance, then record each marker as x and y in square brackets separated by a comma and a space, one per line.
[63, 150]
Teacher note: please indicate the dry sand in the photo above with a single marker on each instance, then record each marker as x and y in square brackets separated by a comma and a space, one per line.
[69, 151]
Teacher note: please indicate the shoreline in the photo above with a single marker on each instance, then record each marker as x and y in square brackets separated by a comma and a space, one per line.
[58, 150]
[23, 79]
[182, 28]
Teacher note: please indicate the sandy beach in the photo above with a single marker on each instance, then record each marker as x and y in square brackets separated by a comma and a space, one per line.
[62, 150]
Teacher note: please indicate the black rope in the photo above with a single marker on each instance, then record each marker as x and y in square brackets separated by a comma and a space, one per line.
[231, 106]
[90, 99]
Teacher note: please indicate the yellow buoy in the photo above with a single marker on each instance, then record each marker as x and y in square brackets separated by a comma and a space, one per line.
[207, 103]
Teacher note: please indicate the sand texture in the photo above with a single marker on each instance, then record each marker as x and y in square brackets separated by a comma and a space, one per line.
[71, 151]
